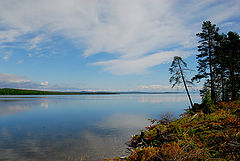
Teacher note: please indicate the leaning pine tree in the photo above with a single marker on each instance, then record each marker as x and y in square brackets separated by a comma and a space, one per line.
[177, 70]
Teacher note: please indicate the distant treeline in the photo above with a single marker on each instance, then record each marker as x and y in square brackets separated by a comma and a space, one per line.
[9, 91]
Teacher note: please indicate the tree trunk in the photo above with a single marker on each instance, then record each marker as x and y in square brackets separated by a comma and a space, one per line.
[233, 82]
[223, 90]
[232, 76]
[213, 97]
[190, 100]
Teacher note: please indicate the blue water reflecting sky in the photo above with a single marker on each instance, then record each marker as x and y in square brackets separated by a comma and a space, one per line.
[78, 127]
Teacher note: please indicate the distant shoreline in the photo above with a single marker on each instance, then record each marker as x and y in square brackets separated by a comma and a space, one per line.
[11, 91]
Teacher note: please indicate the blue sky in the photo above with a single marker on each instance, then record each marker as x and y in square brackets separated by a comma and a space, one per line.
[117, 45]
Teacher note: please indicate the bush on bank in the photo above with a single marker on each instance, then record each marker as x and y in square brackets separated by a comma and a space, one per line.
[195, 136]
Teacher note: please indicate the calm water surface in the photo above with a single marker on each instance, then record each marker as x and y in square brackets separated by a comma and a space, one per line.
[93, 127]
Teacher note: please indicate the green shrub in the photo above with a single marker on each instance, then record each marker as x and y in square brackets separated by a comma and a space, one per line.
[204, 136]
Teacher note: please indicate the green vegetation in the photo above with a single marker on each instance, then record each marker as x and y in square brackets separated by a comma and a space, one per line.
[207, 131]
[9, 91]
[207, 44]
[219, 63]
[195, 136]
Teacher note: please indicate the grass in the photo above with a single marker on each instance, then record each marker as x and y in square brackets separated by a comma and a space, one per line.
[195, 136]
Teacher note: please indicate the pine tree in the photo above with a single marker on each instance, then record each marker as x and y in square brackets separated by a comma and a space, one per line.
[221, 68]
[233, 63]
[177, 70]
[206, 57]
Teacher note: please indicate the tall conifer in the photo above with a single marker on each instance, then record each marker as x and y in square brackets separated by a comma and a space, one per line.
[206, 56]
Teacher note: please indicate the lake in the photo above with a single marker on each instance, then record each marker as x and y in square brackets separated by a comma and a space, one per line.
[78, 127]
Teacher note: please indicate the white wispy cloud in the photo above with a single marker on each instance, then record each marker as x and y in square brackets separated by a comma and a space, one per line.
[15, 81]
[156, 87]
[20, 82]
[140, 64]
[8, 35]
[135, 32]
[5, 77]
[45, 83]
[33, 43]
[20, 62]
[6, 55]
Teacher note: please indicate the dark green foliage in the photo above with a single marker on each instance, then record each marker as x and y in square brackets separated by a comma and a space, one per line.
[233, 63]
[219, 62]
[228, 66]
[221, 77]
[207, 103]
[9, 91]
[206, 56]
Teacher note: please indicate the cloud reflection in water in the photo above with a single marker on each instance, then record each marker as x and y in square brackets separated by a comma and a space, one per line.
[87, 127]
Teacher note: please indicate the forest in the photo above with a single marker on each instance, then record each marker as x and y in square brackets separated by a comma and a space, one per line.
[206, 131]
[219, 62]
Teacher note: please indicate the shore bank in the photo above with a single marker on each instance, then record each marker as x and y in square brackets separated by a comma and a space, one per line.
[195, 136]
